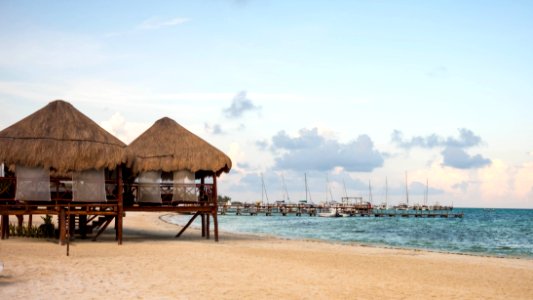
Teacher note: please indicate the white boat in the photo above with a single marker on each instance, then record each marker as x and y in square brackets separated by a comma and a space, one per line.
[331, 213]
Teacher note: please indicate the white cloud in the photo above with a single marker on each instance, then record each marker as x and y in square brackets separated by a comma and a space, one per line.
[122, 129]
[523, 183]
[496, 182]
[157, 23]
[239, 105]
[312, 151]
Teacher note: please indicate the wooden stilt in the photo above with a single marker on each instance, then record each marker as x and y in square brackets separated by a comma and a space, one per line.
[30, 220]
[202, 215]
[188, 224]
[62, 225]
[207, 226]
[215, 195]
[83, 226]
[120, 200]
[5, 226]
[20, 219]
[215, 225]
[71, 226]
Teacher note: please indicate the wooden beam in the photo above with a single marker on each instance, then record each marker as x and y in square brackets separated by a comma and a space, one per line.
[109, 219]
[188, 224]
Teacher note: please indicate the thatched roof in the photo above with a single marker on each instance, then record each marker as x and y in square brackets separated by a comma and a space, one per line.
[60, 137]
[167, 146]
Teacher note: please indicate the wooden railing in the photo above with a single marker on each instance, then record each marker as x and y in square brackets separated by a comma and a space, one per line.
[171, 193]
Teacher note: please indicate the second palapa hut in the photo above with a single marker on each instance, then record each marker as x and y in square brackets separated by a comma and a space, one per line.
[174, 170]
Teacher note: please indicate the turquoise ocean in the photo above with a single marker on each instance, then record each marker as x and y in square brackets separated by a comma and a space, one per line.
[493, 232]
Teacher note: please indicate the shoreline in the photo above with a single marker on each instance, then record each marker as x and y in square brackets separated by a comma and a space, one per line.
[151, 263]
[355, 244]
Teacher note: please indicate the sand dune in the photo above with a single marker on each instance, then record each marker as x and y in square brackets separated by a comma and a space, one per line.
[151, 264]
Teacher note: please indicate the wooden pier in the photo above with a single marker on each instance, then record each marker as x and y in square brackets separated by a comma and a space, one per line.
[354, 210]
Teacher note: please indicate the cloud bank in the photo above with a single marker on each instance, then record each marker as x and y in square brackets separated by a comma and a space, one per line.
[311, 151]
[454, 153]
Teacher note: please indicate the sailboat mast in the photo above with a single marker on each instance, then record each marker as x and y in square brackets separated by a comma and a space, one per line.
[406, 190]
[427, 192]
[386, 192]
[264, 191]
[285, 189]
[327, 183]
[305, 178]
[369, 191]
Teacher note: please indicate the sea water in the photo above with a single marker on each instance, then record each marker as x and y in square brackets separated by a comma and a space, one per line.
[495, 232]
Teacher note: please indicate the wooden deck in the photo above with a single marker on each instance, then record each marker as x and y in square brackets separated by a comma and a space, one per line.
[80, 219]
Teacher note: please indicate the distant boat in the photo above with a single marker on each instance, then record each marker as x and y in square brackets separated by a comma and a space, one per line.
[385, 205]
[401, 206]
[404, 206]
[331, 213]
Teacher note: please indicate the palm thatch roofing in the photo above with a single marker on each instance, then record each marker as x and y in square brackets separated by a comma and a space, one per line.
[60, 137]
[167, 146]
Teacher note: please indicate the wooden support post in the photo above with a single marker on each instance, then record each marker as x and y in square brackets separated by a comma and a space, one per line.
[62, 225]
[202, 186]
[20, 219]
[202, 215]
[5, 226]
[215, 225]
[71, 226]
[83, 226]
[120, 200]
[30, 220]
[215, 195]
[207, 226]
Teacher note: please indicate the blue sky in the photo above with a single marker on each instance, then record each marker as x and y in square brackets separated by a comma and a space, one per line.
[348, 92]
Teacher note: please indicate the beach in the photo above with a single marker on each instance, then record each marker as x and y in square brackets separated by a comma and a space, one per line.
[152, 264]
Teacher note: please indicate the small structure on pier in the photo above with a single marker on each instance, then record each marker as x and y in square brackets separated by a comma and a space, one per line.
[172, 169]
[64, 164]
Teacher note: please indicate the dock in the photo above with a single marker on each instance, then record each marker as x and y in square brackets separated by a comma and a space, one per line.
[355, 210]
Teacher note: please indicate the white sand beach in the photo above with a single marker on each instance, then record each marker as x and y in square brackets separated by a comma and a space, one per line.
[152, 264]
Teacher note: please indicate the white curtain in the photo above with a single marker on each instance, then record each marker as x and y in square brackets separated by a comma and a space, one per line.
[149, 187]
[184, 188]
[89, 186]
[33, 184]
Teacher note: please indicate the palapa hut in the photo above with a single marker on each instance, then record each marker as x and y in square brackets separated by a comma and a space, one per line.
[60, 141]
[170, 165]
